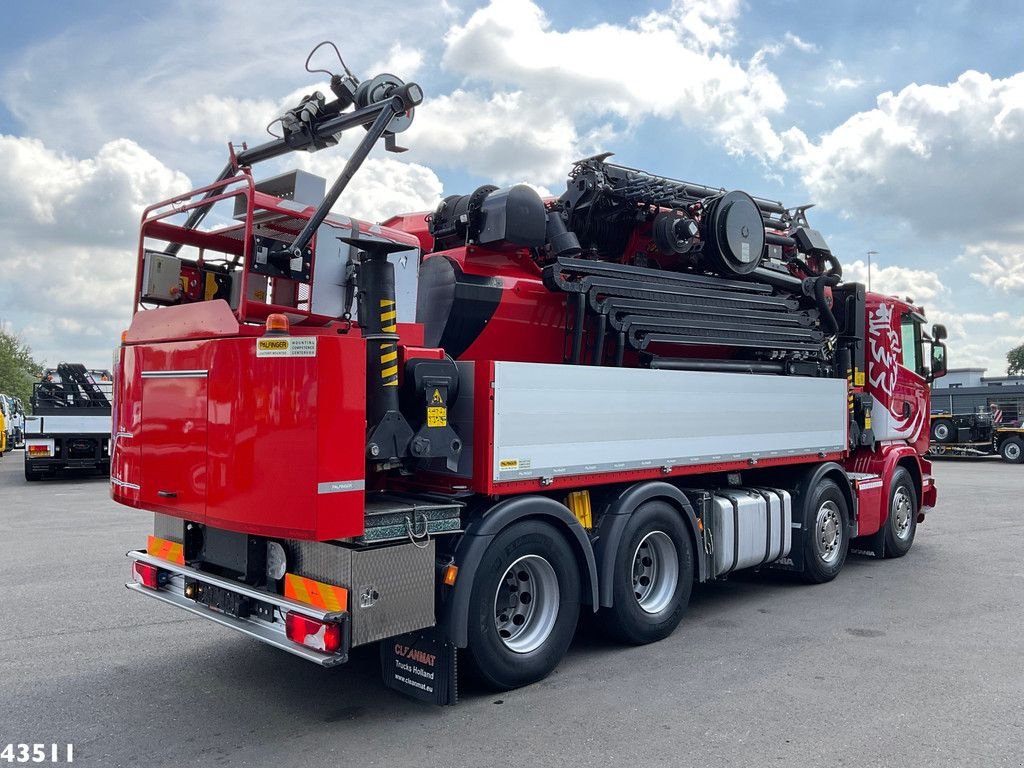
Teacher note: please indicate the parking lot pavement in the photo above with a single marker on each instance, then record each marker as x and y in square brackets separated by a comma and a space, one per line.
[908, 662]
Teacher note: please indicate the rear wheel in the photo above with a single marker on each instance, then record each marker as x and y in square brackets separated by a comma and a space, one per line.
[1012, 450]
[653, 575]
[30, 474]
[943, 431]
[524, 605]
[826, 542]
[901, 524]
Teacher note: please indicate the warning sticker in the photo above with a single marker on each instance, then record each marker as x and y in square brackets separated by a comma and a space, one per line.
[437, 417]
[436, 399]
[286, 346]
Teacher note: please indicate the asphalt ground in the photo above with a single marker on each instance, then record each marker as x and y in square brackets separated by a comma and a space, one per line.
[910, 662]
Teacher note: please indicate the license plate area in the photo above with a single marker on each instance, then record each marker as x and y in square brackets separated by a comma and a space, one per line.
[229, 603]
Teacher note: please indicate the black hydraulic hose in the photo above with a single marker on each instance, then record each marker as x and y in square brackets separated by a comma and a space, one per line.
[829, 320]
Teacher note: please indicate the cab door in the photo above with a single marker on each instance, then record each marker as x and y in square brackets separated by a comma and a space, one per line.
[895, 372]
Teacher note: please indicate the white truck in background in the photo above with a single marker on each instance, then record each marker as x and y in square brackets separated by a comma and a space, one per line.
[14, 420]
[70, 423]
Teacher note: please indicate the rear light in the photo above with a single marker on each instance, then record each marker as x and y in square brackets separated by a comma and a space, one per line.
[148, 575]
[318, 635]
[39, 450]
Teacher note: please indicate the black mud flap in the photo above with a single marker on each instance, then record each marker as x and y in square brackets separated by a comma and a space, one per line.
[421, 665]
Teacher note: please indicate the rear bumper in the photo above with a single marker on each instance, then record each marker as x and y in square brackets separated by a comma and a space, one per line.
[269, 632]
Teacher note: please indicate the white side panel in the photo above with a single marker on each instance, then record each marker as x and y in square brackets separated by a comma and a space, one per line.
[552, 420]
[68, 425]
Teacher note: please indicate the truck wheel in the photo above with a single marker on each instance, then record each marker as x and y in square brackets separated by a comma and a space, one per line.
[653, 576]
[1012, 450]
[30, 474]
[901, 524]
[943, 431]
[524, 605]
[825, 533]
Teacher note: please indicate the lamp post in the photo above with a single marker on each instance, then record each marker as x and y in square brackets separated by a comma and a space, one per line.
[870, 254]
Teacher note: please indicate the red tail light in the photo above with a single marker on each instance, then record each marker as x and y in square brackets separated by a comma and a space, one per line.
[145, 574]
[318, 635]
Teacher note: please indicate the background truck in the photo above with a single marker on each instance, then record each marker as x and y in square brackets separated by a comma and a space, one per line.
[69, 428]
[454, 431]
[14, 417]
[976, 434]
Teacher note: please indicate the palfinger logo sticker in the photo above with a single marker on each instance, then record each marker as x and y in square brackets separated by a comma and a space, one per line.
[286, 346]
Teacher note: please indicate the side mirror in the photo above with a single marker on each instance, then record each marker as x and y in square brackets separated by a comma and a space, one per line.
[939, 332]
[938, 359]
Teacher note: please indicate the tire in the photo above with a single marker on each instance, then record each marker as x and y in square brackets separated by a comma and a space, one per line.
[901, 523]
[31, 475]
[653, 576]
[1012, 450]
[524, 605]
[826, 534]
[943, 431]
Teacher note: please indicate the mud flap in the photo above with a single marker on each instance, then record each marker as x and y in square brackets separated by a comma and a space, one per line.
[422, 666]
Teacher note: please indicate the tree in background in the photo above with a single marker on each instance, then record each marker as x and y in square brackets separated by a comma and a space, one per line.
[1015, 358]
[18, 369]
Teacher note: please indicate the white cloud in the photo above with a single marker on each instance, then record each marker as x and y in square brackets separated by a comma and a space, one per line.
[71, 228]
[799, 44]
[998, 265]
[382, 188]
[50, 197]
[946, 159]
[837, 78]
[502, 137]
[922, 285]
[401, 60]
[548, 84]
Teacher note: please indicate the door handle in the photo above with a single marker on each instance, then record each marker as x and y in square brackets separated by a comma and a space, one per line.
[906, 408]
[167, 494]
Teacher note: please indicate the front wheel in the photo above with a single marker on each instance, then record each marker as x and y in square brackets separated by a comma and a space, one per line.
[653, 575]
[826, 542]
[901, 524]
[1012, 450]
[524, 605]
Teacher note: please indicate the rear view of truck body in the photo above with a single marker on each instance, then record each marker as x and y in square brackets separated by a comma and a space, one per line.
[70, 425]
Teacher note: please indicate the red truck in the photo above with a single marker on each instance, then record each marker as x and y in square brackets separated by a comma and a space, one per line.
[459, 429]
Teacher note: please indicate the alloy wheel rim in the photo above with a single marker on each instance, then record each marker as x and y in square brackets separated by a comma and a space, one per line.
[902, 513]
[828, 532]
[526, 604]
[655, 572]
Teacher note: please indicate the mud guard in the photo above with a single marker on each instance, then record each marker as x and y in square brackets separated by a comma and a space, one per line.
[454, 612]
[614, 520]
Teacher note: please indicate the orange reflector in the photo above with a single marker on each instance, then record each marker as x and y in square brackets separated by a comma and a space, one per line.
[324, 596]
[171, 551]
[700, 525]
[450, 574]
[277, 323]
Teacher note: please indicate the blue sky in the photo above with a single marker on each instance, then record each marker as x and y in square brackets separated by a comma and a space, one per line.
[905, 123]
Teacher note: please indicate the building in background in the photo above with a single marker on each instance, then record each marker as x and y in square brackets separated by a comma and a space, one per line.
[964, 390]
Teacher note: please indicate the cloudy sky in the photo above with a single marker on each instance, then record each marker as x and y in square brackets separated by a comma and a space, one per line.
[904, 123]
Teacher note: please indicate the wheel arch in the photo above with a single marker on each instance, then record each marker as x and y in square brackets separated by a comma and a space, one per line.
[616, 516]
[803, 488]
[910, 463]
[478, 536]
